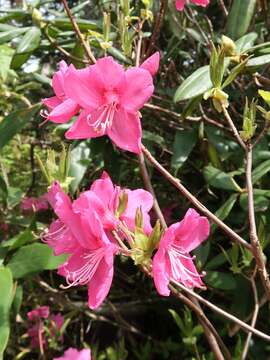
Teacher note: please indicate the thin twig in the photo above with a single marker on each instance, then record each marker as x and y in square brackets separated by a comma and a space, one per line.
[76, 28]
[143, 168]
[223, 7]
[157, 26]
[222, 312]
[254, 316]
[262, 133]
[256, 246]
[232, 126]
[176, 182]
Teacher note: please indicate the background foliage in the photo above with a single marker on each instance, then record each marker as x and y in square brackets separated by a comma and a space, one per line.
[185, 133]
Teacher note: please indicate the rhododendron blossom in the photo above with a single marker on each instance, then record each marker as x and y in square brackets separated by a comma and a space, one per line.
[61, 107]
[38, 319]
[111, 99]
[172, 260]
[74, 354]
[180, 4]
[32, 204]
[83, 231]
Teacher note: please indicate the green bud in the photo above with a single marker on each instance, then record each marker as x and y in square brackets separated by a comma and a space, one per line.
[217, 66]
[139, 218]
[123, 201]
[265, 95]
[106, 26]
[37, 17]
[249, 118]
[228, 45]
[125, 7]
[155, 236]
[219, 98]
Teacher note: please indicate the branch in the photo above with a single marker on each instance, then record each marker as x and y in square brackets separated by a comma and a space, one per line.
[176, 182]
[256, 246]
[76, 28]
[232, 126]
[223, 313]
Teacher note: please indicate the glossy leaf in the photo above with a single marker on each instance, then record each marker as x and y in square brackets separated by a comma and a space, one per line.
[223, 212]
[246, 42]
[220, 280]
[258, 61]
[196, 84]
[33, 258]
[260, 171]
[239, 18]
[184, 141]
[14, 122]
[218, 179]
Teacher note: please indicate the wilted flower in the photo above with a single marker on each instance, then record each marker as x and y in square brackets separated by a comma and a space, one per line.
[180, 4]
[172, 260]
[74, 354]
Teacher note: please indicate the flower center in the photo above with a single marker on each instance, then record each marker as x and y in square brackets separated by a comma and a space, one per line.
[179, 270]
[84, 274]
[105, 113]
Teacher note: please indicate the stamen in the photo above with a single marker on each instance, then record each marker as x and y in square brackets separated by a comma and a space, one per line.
[48, 235]
[44, 113]
[105, 119]
[83, 275]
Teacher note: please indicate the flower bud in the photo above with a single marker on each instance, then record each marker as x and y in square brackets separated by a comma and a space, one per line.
[228, 45]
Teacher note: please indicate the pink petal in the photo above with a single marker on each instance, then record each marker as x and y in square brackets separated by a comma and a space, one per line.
[62, 206]
[60, 239]
[99, 286]
[51, 102]
[81, 128]
[138, 199]
[84, 87]
[111, 72]
[64, 112]
[151, 64]
[104, 190]
[74, 354]
[192, 231]
[180, 4]
[137, 89]
[126, 131]
[160, 272]
[201, 2]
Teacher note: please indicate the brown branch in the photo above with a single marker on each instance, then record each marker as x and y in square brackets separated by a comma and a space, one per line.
[254, 316]
[256, 246]
[176, 182]
[80, 36]
[157, 26]
[222, 312]
[232, 126]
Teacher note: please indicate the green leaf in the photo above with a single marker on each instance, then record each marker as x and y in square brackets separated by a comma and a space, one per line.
[27, 45]
[14, 122]
[19, 240]
[33, 258]
[84, 25]
[258, 61]
[5, 58]
[196, 84]
[17, 301]
[260, 171]
[6, 36]
[219, 179]
[239, 18]
[79, 157]
[6, 297]
[261, 203]
[184, 142]
[223, 212]
[220, 280]
[245, 42]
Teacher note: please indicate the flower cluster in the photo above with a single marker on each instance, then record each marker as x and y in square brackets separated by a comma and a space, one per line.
[38, 320]
[74, 354]
[93, 228]
[108, 98]
[180, 4]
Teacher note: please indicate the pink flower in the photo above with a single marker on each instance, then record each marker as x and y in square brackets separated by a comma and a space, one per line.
[62, 108]
[180, 4]
[111, 99]
[172, 260]
[92, 253]
[32, 204]
[38, 319]
[41, 312]
[74, 354]
[151, 64]
[104, 196]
